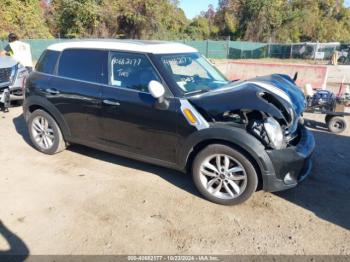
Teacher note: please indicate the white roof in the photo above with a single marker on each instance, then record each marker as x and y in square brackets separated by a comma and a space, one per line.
[154, 47]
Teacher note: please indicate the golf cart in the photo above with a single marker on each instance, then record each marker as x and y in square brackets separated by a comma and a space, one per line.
[344, 55]
[334, 106]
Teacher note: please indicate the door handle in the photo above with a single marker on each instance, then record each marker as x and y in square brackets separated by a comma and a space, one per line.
[52, 91]
[111, 103]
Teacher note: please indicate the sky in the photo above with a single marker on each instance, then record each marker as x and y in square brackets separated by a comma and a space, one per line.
[194, 7]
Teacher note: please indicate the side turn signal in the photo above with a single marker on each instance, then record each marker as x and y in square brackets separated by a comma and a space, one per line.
[189, 116]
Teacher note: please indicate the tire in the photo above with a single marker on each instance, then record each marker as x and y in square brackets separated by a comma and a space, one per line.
[45, 134]
[342, 60]
[337, 124]
[327, 119]
[215, 185]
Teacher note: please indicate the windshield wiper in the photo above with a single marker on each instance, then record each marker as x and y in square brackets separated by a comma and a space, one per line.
[199, 91]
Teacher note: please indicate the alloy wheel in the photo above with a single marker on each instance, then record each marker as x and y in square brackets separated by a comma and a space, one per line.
[223, 176]
[43, 133]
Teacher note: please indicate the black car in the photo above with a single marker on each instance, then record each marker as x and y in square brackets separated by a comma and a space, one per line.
[165, 104]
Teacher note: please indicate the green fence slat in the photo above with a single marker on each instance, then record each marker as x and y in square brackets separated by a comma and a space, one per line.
[218, 49]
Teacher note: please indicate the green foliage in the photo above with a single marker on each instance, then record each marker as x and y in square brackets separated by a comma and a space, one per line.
[199, 28]
[119, 18]
[78, 18]
[23, 17]
[253, 20]
[322, 20]
[285, 21]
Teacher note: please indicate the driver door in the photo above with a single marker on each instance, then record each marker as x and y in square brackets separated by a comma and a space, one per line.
[130, 121]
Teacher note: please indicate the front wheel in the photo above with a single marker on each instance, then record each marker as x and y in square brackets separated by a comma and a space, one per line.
[224, 175]
[45, 133]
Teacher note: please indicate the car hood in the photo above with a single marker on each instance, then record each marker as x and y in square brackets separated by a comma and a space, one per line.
[6, 62]
[288, 86]
[276, 95]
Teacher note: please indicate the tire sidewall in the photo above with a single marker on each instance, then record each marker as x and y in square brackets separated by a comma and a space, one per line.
[252, 178]
[57, 132]
[328, 118]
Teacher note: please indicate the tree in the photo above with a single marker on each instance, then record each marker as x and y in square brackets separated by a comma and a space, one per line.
[258, 20]
[76, 18]
[321, 20]
[199, 28]
[23, 17]
[284, 20]
[142, 19]
[253, 20]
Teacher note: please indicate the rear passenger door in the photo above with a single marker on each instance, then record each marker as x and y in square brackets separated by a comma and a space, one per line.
[76, 90]
[130, 120]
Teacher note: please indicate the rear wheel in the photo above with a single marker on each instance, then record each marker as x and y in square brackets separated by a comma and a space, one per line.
[336, 124]
[342, 60]
[224, 175]
[45, 134]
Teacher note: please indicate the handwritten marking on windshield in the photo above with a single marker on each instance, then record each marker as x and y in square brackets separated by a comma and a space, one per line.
[127, 61]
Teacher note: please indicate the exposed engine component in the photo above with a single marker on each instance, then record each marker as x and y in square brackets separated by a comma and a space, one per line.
[269, 132]
[257, 129]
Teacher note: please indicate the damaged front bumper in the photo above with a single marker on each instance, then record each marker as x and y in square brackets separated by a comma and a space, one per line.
[11, 85]
[10, 94]
[292, 164]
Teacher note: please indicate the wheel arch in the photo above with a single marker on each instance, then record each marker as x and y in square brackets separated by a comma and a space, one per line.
[33, 103]
[236, 138]
[203, 144]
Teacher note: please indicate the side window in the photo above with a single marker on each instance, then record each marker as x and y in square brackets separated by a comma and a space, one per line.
[47, 62]
[84, 64]
[132, 71]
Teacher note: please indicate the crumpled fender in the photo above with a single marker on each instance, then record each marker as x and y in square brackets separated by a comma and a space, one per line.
[231, 135]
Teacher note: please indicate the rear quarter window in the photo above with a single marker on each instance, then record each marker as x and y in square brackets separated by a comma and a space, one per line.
[84, 64]
[47, 62]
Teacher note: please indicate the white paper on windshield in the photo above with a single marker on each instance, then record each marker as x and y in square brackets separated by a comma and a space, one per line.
[116, 83]
[22, 53]
[182, 84]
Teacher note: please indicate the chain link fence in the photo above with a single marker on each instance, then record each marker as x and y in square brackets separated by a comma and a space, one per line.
[231, 49]
[253, 50]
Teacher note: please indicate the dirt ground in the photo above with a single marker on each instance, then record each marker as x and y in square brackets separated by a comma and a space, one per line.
[84, 201]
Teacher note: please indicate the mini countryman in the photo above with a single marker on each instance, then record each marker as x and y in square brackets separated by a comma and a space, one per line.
[165, 104]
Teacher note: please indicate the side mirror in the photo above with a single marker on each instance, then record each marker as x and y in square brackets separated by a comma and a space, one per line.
[157, 90]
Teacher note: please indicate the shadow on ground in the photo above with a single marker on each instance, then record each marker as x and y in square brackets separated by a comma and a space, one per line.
[326, 192]
[176, 178]
[18, 250]
[21, 128]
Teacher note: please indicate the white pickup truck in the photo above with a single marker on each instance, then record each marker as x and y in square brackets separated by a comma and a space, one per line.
[12, 78]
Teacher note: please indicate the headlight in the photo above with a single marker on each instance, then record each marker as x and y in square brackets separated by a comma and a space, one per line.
[274, 132]
[22, 74]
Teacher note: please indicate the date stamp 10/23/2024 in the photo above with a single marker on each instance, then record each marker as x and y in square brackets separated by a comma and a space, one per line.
[173, 258]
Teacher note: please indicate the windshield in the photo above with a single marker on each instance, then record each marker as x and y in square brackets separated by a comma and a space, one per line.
[192, 72]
